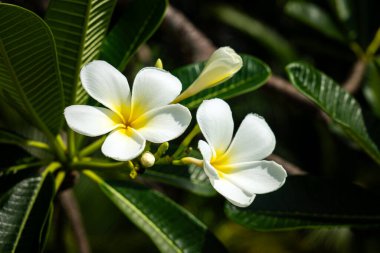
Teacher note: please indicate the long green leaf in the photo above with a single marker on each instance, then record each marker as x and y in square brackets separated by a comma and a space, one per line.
[29, 75]
[24, 210]
[309, 202]
[252, 75]
[136, 26]
[79, 28]
[315, 17]
[190, 178]
[171, 227]
[335, 102]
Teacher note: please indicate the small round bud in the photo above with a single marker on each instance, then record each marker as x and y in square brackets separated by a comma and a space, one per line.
[147, 159]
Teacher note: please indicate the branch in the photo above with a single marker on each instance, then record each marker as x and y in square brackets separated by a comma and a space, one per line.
[71, 209]
[285, 87]
[193, 43]
[352, 84]
[288, 166]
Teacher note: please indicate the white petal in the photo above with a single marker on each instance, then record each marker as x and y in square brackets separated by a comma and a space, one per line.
[232, 193]
[207, 154]
[123, 144]
[153, 88]
[254, 140]
[215, 120]
[106, 85]
[205, 150]
[163, 124]
[257, 177]
[91, 120]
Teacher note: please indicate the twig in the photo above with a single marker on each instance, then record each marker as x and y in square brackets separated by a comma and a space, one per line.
[194, 44]
[288, 166]
[285, 87]
[71, 209]
[352, 84]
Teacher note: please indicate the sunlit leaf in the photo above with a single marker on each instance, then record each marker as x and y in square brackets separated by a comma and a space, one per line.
[29, 75]
[79, 28]
[24, 210]
[335, 102]
[251, 76]
[136, 25]
[309, 202]
[171, 227]
[315, 17]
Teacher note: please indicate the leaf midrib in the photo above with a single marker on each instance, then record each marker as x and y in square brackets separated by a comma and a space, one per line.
[372, 150]
[29, 209]
[143, 217]
[25, 101]
[137, 37]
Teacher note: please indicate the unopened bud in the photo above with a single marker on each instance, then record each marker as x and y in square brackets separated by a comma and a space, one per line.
[221, 66]
[159, 64]
[147, 159]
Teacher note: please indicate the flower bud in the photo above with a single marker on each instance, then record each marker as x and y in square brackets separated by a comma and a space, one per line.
[147, 159]
[159, 64]
[221, 66]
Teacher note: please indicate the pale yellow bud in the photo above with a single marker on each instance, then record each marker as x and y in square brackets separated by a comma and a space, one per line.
[159, 64]
[221, 66]
[147, 159]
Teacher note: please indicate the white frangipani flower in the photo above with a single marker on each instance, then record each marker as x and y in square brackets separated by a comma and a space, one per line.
[235, 166]
[132, 119]
[220, 67]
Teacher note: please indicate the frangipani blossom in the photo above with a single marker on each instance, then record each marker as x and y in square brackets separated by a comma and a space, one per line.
[235, 166]
[220, 67]
[132, 119]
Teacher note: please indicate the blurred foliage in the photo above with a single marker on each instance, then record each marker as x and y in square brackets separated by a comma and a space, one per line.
[329, 34]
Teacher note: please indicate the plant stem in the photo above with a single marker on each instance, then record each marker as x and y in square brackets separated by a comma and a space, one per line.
[71, 143]
[188, 161]
[93, 176]
[186, 142]
[374, 45]
[38, 144]
[59, 147]
[71, 209]
[96, 165]
[92, 147]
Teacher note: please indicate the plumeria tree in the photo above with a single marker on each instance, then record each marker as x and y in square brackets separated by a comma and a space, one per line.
[69, 116]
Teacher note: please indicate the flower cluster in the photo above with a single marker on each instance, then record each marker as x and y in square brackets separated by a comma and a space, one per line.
[151, 113]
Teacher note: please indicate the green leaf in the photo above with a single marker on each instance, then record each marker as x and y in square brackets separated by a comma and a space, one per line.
[190, 178]
[372, 87]
[29, 74]
[79, 28]
[24, 210]
[251, 76]
[266, 36]
[309, 202]
[136, 26]
[313, 16]
[35, 148]
[344, 11]
[8, 137]
[171, 227]
[339, 105]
